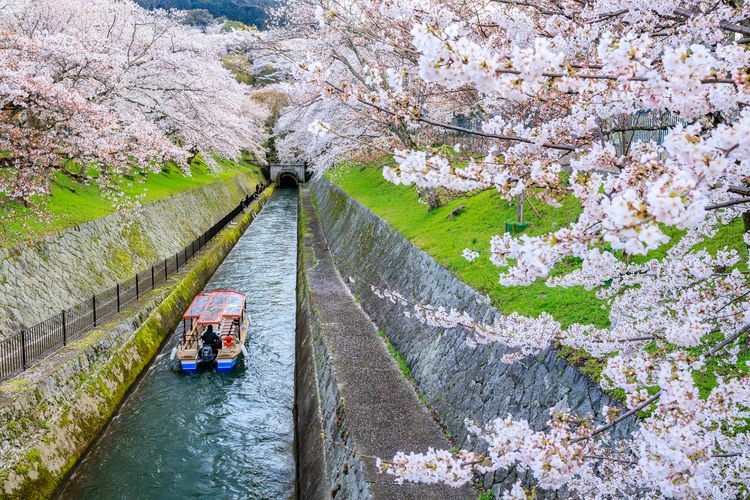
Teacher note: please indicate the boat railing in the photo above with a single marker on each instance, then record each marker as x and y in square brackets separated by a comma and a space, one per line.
[190, 338]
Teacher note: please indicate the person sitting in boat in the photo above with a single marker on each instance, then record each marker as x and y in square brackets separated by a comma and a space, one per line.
[210, 337]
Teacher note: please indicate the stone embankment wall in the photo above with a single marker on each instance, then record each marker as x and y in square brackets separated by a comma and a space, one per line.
[352, 402]
[41, 279]
[458, 381]
[51, 413]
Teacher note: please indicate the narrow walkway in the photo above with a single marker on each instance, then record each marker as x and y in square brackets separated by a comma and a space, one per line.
[383, 412]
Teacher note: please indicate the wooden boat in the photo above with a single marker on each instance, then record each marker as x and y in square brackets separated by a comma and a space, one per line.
[222, 312]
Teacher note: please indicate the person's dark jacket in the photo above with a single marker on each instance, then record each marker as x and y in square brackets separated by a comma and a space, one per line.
[210, 337]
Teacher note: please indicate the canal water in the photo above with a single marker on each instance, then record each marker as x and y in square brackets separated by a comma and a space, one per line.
[218, 435]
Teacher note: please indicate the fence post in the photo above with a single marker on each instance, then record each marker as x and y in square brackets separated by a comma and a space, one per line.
[153, 283]
[186, 257]
[117, 286]
[65, 329]
[177, 261]
[137, 291]
[93, 305]
[23, 348]
[165, 269]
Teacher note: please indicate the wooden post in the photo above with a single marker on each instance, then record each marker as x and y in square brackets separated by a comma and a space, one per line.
[93, 306]
[137, 291]
[153, 282]
[64, 329]
[118, 296]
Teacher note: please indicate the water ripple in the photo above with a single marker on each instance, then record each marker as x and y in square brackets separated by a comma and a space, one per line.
[210, 434]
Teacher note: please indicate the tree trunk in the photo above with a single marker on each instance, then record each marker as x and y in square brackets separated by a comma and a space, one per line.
[431, 197]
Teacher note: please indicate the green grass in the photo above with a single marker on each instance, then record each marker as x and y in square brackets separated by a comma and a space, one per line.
[444, 236]
[403, 367]
[484, 215]
[72, 202]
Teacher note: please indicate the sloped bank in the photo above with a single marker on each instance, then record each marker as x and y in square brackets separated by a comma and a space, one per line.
[40, 280]
[352, 402]
[459, 382]
[56, 409]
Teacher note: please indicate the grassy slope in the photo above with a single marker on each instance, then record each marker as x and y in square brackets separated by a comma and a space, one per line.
[484, 215]
[72, 203]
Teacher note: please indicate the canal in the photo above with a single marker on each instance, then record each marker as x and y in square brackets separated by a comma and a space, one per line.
[209, 434]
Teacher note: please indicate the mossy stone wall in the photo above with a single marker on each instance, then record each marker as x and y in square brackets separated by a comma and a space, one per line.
[42, 279]
[51, 413]
[458, 381]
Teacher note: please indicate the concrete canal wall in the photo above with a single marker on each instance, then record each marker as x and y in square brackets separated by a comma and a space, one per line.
[459, 382]
[51, 413]
[352, 401]
[41, 279]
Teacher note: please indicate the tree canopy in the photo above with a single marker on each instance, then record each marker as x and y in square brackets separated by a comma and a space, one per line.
[251, 12]
[639, 110]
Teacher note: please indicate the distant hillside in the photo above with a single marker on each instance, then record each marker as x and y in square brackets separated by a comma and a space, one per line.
[246, 11]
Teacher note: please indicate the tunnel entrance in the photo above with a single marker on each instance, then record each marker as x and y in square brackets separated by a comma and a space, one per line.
[287, 180]
[288, 174]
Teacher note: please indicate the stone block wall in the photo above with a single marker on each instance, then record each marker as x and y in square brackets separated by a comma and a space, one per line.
[459, 382]
[366, 408]
[41, 279]
[53, 412]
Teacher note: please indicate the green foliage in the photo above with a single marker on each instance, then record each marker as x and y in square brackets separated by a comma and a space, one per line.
[198, 17]
[73, 202]
[235, 25]
[250, 12]
[240, 67]
[400, 360]
[403, 367]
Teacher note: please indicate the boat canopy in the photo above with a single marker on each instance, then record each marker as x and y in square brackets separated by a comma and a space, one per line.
[211, 307]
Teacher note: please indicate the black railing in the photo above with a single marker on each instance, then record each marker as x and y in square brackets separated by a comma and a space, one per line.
[30, 344]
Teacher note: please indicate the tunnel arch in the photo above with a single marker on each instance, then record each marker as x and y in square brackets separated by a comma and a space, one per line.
[287, 179]
[288, 174]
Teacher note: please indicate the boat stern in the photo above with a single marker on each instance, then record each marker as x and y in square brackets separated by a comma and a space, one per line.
[225, 365]
[189, 366]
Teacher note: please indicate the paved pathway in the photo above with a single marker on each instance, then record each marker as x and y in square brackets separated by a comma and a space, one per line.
[383, 412]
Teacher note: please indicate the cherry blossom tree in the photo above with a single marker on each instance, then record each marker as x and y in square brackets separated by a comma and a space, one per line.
[114, 88]
[329, 67]
[553, 84]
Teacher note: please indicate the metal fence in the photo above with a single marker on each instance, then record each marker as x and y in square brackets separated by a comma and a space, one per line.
[31, 344]
[639, 127]
[623, 132]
